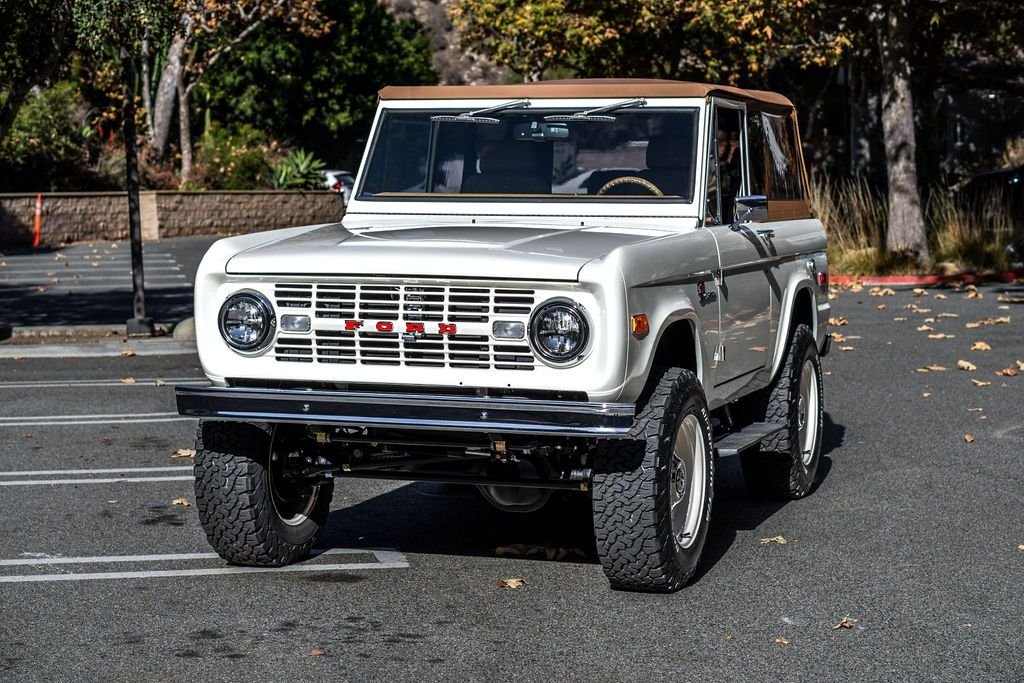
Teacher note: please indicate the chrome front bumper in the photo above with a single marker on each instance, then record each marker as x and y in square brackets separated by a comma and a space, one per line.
[408, 411]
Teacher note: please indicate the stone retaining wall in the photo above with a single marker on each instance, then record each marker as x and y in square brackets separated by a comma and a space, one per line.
[83, 216]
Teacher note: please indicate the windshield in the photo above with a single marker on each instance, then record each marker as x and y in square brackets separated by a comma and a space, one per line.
[636, 154]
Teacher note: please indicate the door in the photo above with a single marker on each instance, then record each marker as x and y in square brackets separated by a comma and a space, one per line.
[745, 278]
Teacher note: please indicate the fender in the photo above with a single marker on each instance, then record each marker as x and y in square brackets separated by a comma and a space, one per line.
[798, 281]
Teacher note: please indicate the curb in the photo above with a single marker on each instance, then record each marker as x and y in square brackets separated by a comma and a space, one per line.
[41, 332]
[923, 280]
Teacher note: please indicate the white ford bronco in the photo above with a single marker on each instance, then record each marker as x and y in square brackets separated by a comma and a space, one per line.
[594, 285]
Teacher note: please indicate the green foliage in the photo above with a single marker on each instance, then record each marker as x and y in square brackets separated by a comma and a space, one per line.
[103, 25]
[300, 170]
[43, 150]
[318, 92]
[237, 158]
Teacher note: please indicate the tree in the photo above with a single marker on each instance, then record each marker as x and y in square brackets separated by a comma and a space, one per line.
[209, 30]
[318, 92]
[34, 42]
[122, 25]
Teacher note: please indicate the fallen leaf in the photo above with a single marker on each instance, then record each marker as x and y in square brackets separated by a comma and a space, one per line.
[316, 652]
[1005, 320]
[838, 338]
[1007, 372]
[925, 394]
[949, 315]
[180, 501]
[920, 292]
[40, 289]
[1021, 547]
[159, 383]
[968, 438]
[936, 368]
[127, 353]
[965, 365]
[838, 322]
[974, 295]
[510, 583]
[846, 623]
[729, 636]
[846, 348]
[781, 641]
[899, 319]
[941, 296]
[184, 453]
[127, 380]
[774, 539]
[980, 346]
[980, 383]
[1020, 365]
[1010, 299]
[929, 320]
[112, 502]
[880, 307]
[975, 410]
[941, 335]
[925, 328]
[95, 265]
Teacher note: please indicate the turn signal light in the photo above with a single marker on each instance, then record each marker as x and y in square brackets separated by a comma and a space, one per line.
[640, 326]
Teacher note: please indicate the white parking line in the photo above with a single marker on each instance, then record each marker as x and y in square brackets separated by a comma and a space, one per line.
[115, 470]
[114, 480]
[72, 383]
[384, 559]
[127, 418]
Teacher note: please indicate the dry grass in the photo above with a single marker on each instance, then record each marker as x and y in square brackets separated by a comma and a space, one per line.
[962, 238]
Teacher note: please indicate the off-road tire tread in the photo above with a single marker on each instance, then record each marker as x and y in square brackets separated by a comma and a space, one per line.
[633, 536]
[233, 496]
[773, 471]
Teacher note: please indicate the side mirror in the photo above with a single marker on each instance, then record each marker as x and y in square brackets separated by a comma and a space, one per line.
[751, 209]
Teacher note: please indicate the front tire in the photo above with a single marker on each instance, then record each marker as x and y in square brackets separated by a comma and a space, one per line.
[785, 465]
[652, 492]
[252, 514]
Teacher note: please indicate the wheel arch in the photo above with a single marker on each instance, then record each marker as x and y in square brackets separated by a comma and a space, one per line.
[799, 307]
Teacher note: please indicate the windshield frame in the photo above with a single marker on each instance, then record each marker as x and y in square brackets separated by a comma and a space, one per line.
[547, 204]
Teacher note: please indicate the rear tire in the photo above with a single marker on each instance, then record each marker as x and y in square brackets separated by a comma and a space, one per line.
[251, 514]
[785, 465]
[652, 492]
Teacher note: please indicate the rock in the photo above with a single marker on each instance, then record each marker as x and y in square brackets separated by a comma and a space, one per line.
[185, 330]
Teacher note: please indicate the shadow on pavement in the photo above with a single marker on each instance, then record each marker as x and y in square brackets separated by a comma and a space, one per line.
[455, 520]
[26, 306]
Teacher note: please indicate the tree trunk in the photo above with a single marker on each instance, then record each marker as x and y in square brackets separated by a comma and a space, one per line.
[184, 130]
[166, 89]
[906, 231]
[138, 324]
[147, 98]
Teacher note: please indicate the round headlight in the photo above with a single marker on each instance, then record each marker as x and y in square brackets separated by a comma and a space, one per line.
[247, 321]
[559, 331]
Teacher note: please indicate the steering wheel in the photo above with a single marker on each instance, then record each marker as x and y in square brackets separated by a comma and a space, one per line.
[632, 180]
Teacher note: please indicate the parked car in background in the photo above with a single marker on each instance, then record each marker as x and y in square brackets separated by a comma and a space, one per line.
[340, 181]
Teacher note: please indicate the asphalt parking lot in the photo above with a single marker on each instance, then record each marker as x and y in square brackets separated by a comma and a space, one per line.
[914, 539]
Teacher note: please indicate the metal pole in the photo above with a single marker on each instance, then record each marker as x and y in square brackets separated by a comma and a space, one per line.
[139, 324]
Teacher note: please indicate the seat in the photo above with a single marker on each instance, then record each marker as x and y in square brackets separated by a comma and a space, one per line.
[668, 165]
[508, 167]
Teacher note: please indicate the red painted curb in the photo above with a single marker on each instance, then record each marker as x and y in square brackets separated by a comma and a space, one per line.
[922, 280]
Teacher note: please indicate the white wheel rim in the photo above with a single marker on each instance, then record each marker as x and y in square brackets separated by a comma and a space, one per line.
[808, 412]
[687, 481]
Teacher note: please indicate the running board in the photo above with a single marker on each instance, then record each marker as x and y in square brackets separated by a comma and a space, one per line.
[735, 442]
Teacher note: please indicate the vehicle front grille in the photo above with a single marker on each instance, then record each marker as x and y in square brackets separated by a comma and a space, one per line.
[386, 310]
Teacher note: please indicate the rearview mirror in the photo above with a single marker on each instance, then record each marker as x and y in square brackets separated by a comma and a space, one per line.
[535, 130]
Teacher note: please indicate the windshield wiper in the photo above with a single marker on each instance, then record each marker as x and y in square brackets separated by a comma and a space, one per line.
[599, 114]
[475, 116]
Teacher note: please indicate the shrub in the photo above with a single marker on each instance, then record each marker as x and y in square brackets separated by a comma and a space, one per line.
[240, 158]
[299, 170]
